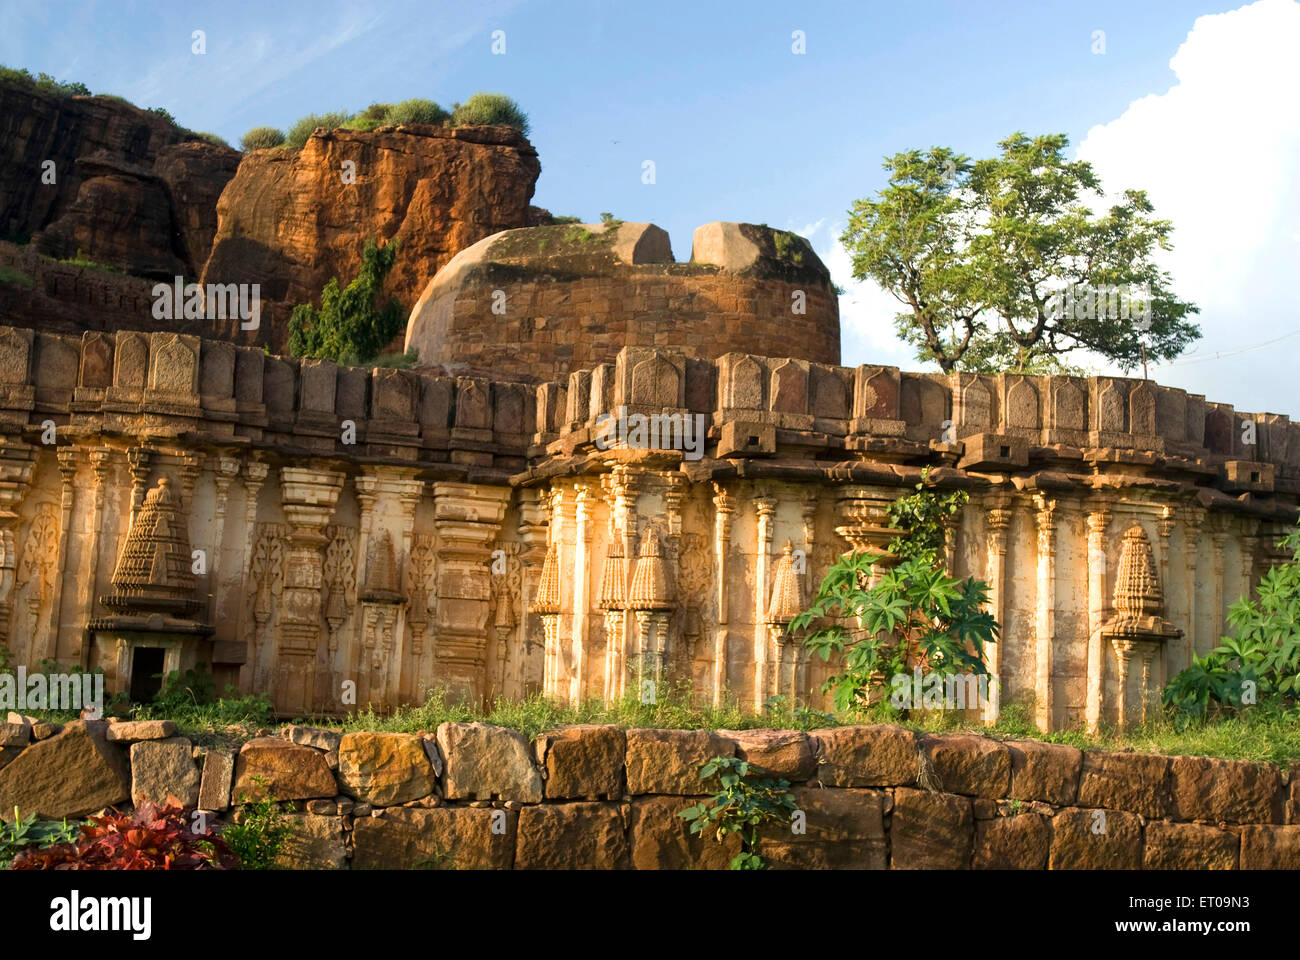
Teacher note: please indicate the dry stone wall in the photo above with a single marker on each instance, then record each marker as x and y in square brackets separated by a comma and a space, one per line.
[475, 796]
[319, 533]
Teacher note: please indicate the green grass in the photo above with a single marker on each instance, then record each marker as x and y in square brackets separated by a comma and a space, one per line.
[16, 277]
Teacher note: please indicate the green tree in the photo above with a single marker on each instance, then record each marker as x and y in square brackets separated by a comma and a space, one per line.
[350, 327]
[981, 255]
[916, 615]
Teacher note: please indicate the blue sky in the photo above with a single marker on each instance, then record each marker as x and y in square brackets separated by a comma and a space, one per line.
[741, 128]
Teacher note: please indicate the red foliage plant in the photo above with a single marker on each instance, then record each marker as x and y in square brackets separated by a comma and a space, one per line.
[154, 838]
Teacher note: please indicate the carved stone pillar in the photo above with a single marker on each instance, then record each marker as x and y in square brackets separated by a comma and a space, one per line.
[90, 558]
[1098, 522]
[1045, 620]
[1192, 520]
[1218, 523]
[310, 496]
[16, 463]
[765, 508]
[138, 459]
[68, 459]
[468, 519]
[724, 508]
[224, 475]
[584, 499]
[997, 520]
[532, 551]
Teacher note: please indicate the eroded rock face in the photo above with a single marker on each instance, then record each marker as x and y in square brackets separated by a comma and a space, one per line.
[71, 774]
[129, 190]
[288, 223]
[163, 768]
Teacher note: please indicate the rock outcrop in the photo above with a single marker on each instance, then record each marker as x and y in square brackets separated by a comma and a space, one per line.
[292, 221]
[129, 188]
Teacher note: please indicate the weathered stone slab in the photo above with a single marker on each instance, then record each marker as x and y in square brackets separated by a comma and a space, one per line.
[485, 762]
[290, 772]
[968, 764]
[1236, 791]
[443, 838]
[1270, 848]
[842, 830]
[1048, 772]
[134, 731]
[883, 755]
[73, 773]
[1083, 840]
[661, 840]
[160, 768]
[930, 831]
[571, 836]
[787, 754]
[384, 769]
[1124, 781]
[669, 761]
[1189, 846]
[319, 739]
[1019, 842]
[216, 781]
[583, 762]
[316, 843]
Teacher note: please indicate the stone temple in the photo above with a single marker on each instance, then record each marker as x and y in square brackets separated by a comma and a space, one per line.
[305, 528]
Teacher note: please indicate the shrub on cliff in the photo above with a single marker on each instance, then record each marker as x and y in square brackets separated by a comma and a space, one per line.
[487, 109]
[417, 110]
[1260, 664]
[349, 328]
[303, 128]
[261, 138]
[43, 81]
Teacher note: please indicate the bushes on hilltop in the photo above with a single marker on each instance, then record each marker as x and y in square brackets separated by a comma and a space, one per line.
[489, 109]
[43, 81]
[303, 128]
[261, 138]
[482, 109]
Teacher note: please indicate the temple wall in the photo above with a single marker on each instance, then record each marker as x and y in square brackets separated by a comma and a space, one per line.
[365, 535]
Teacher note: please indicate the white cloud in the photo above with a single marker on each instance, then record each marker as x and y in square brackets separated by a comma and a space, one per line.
[1218, 155]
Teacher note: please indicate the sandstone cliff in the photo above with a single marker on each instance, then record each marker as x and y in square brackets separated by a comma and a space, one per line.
[130, 191]
[289, 222]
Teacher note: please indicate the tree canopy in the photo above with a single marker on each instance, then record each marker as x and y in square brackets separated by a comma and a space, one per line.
[1001, 264]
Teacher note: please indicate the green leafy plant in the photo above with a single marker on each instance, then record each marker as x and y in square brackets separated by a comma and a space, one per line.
[1259, 665]
[261, 834]
[349, 327]
[744, 802]
[487, 109]
[915, 616]
[262, 138]
[153, 838]
[22, 834]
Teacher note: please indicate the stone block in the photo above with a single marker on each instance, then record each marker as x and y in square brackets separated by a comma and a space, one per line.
[843, 829]
[288, 771]
[659, 839]
[1189, 846]
[1020, 842]
[443, 838]
[1048, 772]
[788, 754]
[968, 764]
[73, 773]
[930, 831]
[1124, 781]
[867, 756]
[669, 761]
[571, 836]
[583, 762]
[163, 768]
[1270, 847]
[316, 843]
[384, 769]
[1236, 791]
[134, 731]
[1096, 840]
[217, 778]
[486, 762]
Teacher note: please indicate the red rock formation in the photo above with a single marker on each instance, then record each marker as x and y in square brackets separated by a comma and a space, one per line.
[289, 222]
[129, 190]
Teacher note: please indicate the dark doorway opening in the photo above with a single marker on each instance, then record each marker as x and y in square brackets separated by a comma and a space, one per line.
[146, 673]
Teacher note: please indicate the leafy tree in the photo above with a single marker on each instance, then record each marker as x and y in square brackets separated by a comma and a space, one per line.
[1260, 663]
[349, 328]
[980, 255]
[261, 138]
[916, 615]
